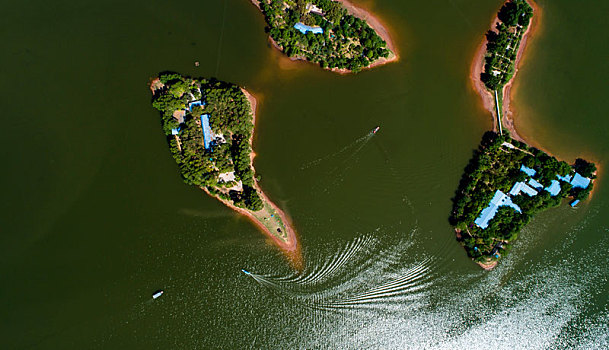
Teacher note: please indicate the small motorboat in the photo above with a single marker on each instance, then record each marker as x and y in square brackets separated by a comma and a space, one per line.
[376, 129]
[245, 272]
[157, 294]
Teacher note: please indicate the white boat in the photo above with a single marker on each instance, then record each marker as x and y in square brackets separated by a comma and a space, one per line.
[376, 129]
[157, 294]
[245, 272]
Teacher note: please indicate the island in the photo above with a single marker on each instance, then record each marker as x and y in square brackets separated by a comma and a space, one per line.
[507, 182]
[209, 125]
[337, 35]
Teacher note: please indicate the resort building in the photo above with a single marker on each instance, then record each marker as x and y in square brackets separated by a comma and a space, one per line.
[207, 136]
[554, 188]
[580, 181]
[499, 199]
[195, 103]
[522, 187]
[531, 188]
[304, 29]
[528, 171]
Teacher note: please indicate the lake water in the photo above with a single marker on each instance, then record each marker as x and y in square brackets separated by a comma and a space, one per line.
[95, 217]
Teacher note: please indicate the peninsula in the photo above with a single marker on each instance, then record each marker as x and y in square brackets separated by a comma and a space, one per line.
[507, 182]
[337, 35]
[209, 125]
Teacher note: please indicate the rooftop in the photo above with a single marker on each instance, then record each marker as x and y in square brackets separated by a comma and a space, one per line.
[304, 29]
[580, 181]
[522, 187]
[498, 200]
[527, 170]
[195, 103]
[206, 130]
[554, 188]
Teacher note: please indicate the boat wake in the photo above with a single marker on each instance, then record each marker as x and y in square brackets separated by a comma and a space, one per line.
[351, 150]
[359, 274]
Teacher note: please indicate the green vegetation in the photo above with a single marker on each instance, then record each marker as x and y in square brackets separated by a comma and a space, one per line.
[496, 166]
[346, 43]
[230, 119]
[502, 46]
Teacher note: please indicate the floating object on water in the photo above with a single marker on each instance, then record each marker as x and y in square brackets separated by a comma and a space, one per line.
[196, 63]
[245, 272]
[376, 129]
[574, 203]
[157, 294]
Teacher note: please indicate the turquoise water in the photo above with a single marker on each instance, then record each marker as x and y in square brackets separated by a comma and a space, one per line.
[95, 217]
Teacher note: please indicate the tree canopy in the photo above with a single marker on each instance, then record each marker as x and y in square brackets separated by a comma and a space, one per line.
[230, 115]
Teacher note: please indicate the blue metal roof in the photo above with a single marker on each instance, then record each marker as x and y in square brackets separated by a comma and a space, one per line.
[580, 181]
[535, 184]
[575, 202]
[554, 188]
[521, 186]
[206, 130]
[304, 29]
[175, 131]
[488, 213]
[566, 178]
[527, 170]
[195, 103]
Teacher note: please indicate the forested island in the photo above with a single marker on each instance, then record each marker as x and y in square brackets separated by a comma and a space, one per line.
[329, 33]
[507, 182]
[209, 125]
[497, 59]
[504, 185]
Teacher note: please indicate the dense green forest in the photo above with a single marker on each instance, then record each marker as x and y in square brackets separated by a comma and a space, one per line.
[502, 45]
[496, 166]
[347, 41]
[230, 115]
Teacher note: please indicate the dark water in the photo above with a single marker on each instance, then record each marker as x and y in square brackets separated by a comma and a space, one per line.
[95, 217]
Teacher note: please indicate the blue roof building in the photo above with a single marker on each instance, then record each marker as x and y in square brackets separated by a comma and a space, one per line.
[527, 170]
[195, 103]
[566, 178]
[574, 203]
[580, 181]
[175, 131]
[522, 187]
[304, 29]
[206, 130]
[498, 200]
[554, 188]
[534, 183]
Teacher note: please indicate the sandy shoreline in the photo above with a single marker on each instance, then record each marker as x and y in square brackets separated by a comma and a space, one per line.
[488, 99]
[374, 22]
[488, 266]
[290, 246]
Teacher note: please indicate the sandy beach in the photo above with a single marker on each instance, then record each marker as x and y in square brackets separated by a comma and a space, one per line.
[488, 99]
[488, 266]
[374, 22]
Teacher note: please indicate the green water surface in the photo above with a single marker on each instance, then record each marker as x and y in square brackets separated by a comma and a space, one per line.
[95, 216]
